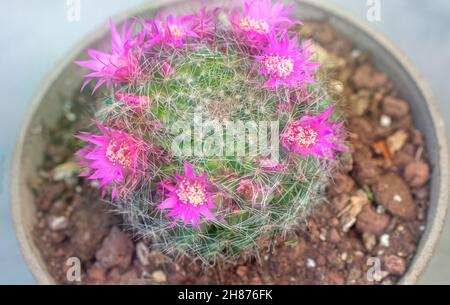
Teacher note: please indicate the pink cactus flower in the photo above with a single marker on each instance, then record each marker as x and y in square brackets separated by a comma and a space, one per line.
[121, 66]
[111, 157]
[189, 199]
[137, 103]
[287, 64]
[205, 22]
[260, 18]
[314, 136]
[173, 31]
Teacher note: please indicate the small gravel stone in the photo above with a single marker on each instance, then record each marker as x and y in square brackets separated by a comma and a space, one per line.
[97, 273]
[342, 184]
[333, 236]
[395, 265]
[91, 225]
[159, 276]
[242, 271]
[372, 222]
[116, 250]
[58, 223]
[385, 240]
[310, 263]
[394, 107]
[385, 121]
[417, 174]
[370, 241]
[393, 193]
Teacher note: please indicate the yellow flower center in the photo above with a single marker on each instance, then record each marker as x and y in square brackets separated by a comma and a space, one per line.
[303, 136]
[118, 153]
[177, 32]
[281, 66]
[250, 24]
[192, 193]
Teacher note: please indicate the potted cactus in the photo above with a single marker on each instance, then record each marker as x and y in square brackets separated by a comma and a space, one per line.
[181, 138]
[234, 144]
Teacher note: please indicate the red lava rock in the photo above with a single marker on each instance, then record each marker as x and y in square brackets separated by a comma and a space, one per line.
[335, 278]
[362, 127]
[97, 273]
[403, 123]
[354, 274]
[395, 265]
[401, 159]
[242, 271]
[256, 281]
[417, 137]
[50, 193]
[417, 174]
[371, 222]
[394, 107]
[340, 202]
[367, 171]
[91, 224]
[393, 193]
[346, 160]
[325, 35]
[333, 236]
[58, 207]
[130, 278]
[342, 184]
[116, 250]
[114, 274]
[57, 237]
[341, 47]
[366, 77]
[422, 193]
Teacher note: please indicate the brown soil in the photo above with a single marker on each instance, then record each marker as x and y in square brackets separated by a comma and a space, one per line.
[377, 206]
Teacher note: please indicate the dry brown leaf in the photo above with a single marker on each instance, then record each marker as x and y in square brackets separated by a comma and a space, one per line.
[350, 212]
[396, 141]
[382, 149]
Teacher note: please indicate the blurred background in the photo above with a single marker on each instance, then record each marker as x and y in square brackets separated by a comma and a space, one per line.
[35, 35]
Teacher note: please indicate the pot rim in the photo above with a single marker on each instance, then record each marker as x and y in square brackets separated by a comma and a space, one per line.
[433, 230]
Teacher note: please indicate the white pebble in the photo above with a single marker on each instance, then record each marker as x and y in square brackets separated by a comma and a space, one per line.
[58, 223]
[310, 263]
[356, 53]
[159, 276]
[385, 121]
[385, 240]
[397, 198]
[380, 209]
